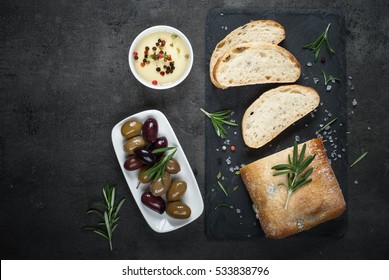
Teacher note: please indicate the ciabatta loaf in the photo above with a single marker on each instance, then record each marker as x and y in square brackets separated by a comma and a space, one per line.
[267, 31]
[314, 203]
[256, 63]
[274, 111]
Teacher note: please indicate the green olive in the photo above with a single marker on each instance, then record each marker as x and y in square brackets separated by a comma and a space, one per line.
[172, 166]
[142, 177]
[134, 143]
[131, 128]
[178, 210]
[161, 186]
[176, 190]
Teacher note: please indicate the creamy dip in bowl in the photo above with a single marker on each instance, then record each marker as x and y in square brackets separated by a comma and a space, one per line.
[161, 57]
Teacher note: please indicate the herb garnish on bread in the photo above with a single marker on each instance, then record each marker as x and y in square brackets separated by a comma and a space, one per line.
[316, 202]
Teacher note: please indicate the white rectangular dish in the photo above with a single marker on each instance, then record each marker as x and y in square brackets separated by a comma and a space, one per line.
[160, 222]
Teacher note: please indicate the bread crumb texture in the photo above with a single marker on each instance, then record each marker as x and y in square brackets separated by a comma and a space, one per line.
[274, 111]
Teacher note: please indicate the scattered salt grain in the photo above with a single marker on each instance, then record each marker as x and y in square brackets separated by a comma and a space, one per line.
[238, 211]
[354, 102]
[309, 64]
[328, 87]
[297, 138]
[368, 127]
[228, 160]
[315, 80]
[350, 78]
[356, 182]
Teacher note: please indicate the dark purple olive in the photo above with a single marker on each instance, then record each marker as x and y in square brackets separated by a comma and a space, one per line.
[161, 142]
[145, 156]
[150, 130]
[156, 204]
[133, 163]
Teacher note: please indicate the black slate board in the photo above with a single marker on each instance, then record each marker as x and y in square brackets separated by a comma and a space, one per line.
[301, 27]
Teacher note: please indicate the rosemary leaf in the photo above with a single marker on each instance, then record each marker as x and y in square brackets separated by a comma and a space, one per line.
[222, 188]
[359, 159]
[223, 205]
[328, 124]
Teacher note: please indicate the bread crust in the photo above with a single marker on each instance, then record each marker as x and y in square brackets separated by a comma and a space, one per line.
[230, 38]
[317, 202]
[261, 78]
[306, 95]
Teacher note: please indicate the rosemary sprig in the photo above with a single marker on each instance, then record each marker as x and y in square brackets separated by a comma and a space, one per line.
[294, 169]
[359, 159]
[157, 170]
[219, 119]
[109, 216]
[316, 45]
[329, 78]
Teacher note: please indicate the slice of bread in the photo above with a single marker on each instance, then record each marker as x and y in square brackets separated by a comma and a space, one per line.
[274, 111]
[267, 31]
[314, 203]
[256, 63]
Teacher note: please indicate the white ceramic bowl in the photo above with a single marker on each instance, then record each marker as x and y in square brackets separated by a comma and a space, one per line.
[155, 29]
[192, 197]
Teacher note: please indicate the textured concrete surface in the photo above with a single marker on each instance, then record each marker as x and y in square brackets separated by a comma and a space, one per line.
[65, 82]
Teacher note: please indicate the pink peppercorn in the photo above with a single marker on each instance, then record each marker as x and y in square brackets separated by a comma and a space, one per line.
[154, 82]
[232, 148]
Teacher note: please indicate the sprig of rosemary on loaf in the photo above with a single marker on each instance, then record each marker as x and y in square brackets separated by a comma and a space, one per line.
[294, 170]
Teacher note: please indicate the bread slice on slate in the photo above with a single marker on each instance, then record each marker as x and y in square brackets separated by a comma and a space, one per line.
[268, 31]
[274, 111]
[256, 63]
[314, 203]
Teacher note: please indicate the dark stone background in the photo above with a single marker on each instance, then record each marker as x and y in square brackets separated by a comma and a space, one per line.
[65, 82]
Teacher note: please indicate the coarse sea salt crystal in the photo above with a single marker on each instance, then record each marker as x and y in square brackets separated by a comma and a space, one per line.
[309, 64]
[354, 102]
[238, 210]
[316, 80]
[328, 88]
[228, 160]
[356, 182]
[297, 138]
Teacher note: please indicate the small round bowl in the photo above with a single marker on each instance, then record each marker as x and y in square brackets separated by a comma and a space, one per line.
[154, 29]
